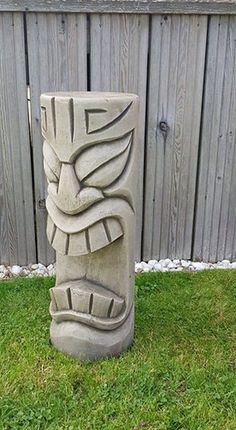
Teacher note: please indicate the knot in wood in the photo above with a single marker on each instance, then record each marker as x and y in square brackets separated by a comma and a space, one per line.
[163, 126]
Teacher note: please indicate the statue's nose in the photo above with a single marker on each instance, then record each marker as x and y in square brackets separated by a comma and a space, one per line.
[69, 195]
[69, 185]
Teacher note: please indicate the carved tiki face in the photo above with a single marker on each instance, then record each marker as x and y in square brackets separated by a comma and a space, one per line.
[87, 160]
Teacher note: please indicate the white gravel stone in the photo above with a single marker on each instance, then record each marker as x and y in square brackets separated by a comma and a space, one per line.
[171, 265]
[52, 272]
[40, 272]
[185, 263]
[6, 273]
[25, 272]
[165, 262]
[42, 267]
[157, 267]
[199, 266]
[2, 268]
[146, 266]
[224, 263]
[152, 263]
[138, 267]
[227, 262]
[176, 262]
[34, 266]
[16, 270]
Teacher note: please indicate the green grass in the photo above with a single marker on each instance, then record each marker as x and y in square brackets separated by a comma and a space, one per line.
[179, 374]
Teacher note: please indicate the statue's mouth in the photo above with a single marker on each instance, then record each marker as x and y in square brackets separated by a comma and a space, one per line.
[88, 302]
[89, 231]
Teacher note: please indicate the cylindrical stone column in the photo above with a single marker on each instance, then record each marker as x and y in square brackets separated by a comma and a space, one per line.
[90, 161]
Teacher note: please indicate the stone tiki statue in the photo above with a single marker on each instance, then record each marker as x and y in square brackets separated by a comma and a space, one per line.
[90, 151]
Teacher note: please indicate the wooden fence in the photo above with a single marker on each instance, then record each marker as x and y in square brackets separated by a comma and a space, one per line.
[180, 57]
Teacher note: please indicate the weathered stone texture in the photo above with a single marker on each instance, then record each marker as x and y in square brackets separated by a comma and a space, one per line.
[90, 152]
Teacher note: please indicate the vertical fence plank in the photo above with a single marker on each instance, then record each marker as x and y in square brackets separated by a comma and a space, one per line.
[57, 52]
[216, 200]
[17, 236]
[177, 56]
[119, 55]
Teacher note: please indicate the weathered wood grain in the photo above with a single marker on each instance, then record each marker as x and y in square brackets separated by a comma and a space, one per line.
[57, 48]
[177, 55]
[17, 236]
[57, 52]
[119, 50]
[216, 200]
[122, 6]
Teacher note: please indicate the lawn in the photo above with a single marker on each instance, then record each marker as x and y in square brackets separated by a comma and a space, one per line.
[179, 374]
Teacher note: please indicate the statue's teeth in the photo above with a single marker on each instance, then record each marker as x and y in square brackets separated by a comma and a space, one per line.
[113, 229]
[92, 239]
[61, 241]
[60, 298]
[100, 302]
[97, 236]
[86, 297]
[78, 244]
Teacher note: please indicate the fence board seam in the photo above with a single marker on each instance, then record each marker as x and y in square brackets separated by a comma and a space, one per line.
[199, 145]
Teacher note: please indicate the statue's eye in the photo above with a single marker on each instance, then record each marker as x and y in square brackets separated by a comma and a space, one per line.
[52, 164]
[103, 163]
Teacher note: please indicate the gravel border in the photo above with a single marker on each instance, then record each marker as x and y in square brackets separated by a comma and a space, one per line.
[165, 265]
[7, 272]
[168, 265]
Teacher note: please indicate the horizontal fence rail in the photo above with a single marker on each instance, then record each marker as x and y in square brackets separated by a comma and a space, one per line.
[181, 63]
[121, 6]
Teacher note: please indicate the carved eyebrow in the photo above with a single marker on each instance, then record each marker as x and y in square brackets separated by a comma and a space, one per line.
[109, 124]
[78, 151]
[127, 147]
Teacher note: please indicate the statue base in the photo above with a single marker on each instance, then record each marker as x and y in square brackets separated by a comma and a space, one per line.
[87, 343]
